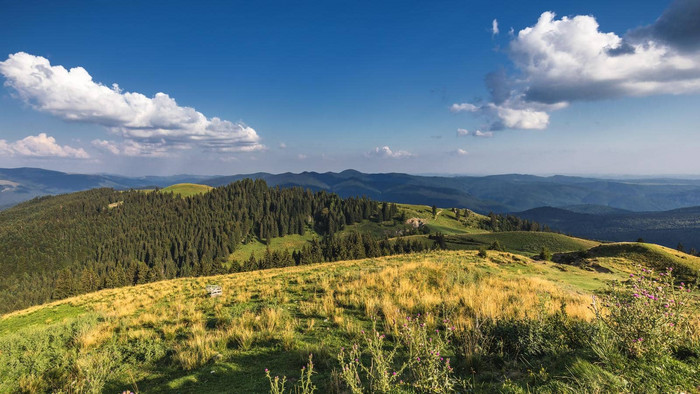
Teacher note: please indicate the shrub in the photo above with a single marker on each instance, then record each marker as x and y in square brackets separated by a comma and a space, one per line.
[545, 254]
[648, 315]
[424, 364]
[496, 246]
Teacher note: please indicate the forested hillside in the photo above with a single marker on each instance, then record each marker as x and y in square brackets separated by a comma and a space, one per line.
[53, 247]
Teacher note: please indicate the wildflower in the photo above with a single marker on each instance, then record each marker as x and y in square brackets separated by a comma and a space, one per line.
[418, 359]
[394, 373]
[267, 370]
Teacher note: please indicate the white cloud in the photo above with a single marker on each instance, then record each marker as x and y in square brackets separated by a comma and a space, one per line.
[571, 59]
[386, 152]
[494, 27]
[109, 146]
[301, 156]
[476, 133]
[560, 61]
[461, 152]
[464, 107]
[156, 124]
[41, 145]
[283, 145]
[134, 148]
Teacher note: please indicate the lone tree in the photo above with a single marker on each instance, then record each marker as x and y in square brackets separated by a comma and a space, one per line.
[545, 254]
[496, 246]
[680, 247]
[434, 211]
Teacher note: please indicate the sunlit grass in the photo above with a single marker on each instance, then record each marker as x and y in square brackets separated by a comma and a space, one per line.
[169, 333]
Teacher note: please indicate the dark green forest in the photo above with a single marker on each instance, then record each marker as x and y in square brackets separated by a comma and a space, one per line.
[55, 247]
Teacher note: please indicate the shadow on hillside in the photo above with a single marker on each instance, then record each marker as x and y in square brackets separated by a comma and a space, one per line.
[240, 373]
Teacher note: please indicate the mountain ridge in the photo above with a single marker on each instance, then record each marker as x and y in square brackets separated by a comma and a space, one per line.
[497, 193]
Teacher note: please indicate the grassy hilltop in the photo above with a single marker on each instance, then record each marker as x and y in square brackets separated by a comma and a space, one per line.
[186, 189]
[519, 324]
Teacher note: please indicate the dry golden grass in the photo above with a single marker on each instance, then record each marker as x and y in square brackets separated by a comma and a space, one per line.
[313, 308]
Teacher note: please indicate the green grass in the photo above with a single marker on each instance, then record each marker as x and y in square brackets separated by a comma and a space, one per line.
[527, 243]
[289, 242]
[41, 316]
[169, 336]
[445, 221]
[186, 189]
[659, 257]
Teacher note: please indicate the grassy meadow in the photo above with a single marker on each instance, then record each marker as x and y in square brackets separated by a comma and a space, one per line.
[186, 189]
[170, 336]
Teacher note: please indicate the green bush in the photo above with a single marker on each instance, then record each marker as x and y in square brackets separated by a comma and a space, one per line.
[423, 364]
[648, 315]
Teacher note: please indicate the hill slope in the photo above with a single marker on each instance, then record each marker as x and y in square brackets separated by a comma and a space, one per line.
[667, 228]
[170, 335]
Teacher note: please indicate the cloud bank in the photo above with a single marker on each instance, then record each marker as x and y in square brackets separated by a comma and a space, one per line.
[560, 61]
[149, 126]
[41, 145]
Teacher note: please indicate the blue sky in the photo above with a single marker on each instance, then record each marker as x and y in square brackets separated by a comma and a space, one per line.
[325, 86]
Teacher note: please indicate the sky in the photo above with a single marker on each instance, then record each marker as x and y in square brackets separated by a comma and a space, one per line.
[439, 87]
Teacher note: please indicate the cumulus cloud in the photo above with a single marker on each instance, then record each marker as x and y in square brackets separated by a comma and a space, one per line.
[475, 133]
[41, 145]
[560, 61]
[386, 152]
[494, 27]
[461, 152]
[155, 124]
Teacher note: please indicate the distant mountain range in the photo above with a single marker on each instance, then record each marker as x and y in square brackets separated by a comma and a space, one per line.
[498, 193]
[663, 210]
[21, 184]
